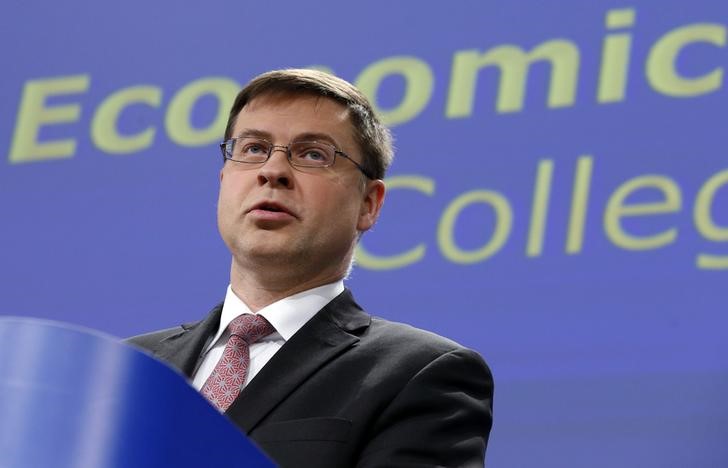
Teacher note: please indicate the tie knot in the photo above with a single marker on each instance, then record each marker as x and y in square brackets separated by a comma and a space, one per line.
[250, 327]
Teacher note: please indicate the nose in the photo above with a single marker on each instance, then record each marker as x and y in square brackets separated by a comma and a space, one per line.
[276, 171]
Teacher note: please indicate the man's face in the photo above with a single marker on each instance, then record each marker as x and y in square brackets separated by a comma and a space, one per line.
[303, 219]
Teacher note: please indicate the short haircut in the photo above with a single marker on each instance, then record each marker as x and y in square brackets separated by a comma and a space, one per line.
[374, 139]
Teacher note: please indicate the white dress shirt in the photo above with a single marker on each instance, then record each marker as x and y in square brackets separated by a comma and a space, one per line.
[287, 316]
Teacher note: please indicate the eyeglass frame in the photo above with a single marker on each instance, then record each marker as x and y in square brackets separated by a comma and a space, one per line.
[289, 155]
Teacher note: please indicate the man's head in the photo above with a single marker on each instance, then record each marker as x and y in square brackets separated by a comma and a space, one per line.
[285, 223]
[373, 138]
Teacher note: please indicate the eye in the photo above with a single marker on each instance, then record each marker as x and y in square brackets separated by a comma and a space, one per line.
[312, 153]
[252, 149]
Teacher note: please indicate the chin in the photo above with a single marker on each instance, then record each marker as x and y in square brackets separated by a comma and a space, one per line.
[269, 252]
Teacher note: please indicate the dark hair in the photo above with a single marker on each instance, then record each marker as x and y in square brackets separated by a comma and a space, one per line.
[374, 139]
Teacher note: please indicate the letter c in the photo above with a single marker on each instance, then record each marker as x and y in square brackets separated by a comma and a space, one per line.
[104, 132]
[365, 259]
[661, 67]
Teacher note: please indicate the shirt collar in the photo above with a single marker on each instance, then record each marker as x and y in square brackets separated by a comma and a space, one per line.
[287, 315]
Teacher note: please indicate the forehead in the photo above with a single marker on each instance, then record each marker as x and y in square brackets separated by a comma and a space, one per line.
[288, 116]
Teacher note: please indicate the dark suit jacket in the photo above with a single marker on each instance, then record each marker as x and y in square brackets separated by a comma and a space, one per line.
[351, 390]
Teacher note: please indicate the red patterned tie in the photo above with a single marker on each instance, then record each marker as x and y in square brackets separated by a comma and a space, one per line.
[228, 377]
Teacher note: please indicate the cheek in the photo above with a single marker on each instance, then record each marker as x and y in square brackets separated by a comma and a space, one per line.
[232, 188]
[229, 200]
[334, 201]
[341, 212]
[222, 201]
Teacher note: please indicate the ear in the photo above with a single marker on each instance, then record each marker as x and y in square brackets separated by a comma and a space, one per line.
[371, 204]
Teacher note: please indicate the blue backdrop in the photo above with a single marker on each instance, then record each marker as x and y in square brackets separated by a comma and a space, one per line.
[559, 198]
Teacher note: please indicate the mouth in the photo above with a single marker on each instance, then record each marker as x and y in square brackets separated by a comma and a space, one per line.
[271, 207]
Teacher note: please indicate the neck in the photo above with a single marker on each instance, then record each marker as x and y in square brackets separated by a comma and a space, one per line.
[259, 287]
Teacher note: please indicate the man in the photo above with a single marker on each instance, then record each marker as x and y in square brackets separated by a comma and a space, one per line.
[323, 383]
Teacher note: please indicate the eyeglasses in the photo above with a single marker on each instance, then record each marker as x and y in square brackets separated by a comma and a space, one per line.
[313, 154]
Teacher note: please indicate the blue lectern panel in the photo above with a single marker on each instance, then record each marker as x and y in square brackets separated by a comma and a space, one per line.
[73, 398]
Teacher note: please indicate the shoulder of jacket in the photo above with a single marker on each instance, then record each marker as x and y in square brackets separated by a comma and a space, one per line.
[150, 341]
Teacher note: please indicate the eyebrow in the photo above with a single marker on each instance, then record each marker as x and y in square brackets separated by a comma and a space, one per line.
[251, 132]
[308, 136]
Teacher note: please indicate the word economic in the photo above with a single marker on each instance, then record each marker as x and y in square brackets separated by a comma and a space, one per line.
[141, 103]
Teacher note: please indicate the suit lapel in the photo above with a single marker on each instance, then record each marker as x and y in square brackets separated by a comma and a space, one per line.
[327, 335]
[184, 349]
